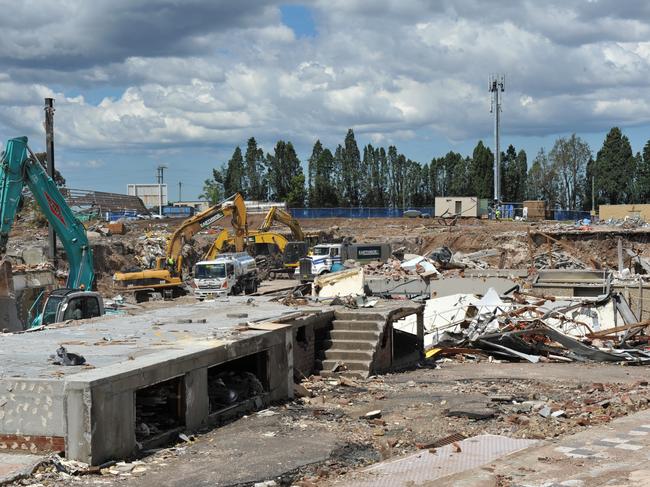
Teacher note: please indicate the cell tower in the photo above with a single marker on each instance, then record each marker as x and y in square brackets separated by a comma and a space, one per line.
[497, 85]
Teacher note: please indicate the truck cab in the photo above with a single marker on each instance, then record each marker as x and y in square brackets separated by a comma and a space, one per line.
[325, 257]
[231, 273]
[70, 304]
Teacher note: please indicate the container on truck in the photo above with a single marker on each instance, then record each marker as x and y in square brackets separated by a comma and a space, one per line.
[229, 273]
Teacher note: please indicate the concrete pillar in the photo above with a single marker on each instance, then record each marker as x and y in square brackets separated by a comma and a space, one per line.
[197, 402]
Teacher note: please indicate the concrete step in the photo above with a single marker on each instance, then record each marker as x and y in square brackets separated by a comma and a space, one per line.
[345, 355]
[356, 325]
[355, 335]
[359, 316]
[350, 344]
[358, 366]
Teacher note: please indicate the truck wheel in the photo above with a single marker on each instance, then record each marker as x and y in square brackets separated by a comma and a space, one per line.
[272, 275]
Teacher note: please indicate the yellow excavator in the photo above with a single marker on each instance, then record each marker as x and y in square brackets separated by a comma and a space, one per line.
[167, 276]
[282, 255]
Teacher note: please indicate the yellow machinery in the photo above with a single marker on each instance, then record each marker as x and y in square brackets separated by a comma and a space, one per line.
[282, 255]
[167, 276]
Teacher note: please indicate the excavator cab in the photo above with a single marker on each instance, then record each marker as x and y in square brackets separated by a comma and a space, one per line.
[293, 252]
[66, 304]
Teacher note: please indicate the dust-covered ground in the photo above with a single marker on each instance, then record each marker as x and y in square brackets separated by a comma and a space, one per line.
[313, 440]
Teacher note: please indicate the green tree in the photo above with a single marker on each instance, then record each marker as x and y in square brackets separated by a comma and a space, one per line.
[297, 192]
[312, 167]
[234, 177]
[521, 175]
[325, 194]
[213, 190]
[614, 169]
[643, 175]
[254, 160]
[351, 170]
[482, 171]
[283, 166]
[570, 155]
[508, 178]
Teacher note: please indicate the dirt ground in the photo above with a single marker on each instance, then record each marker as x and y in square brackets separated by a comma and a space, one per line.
[312, 441]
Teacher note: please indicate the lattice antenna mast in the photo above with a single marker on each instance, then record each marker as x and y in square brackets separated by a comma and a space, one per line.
[497, 85]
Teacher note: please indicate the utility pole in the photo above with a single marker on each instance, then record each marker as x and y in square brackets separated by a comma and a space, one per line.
[161, 177]
[180, 191]
[497, 85]
[49, 148]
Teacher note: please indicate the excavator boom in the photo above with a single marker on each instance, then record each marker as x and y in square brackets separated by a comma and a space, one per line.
[18, 170]
[282, 216]
[170, 277]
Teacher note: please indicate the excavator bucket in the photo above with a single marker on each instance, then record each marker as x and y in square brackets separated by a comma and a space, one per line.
[8, 312]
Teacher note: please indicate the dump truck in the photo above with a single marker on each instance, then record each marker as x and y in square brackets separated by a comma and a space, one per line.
[229, 273]
[327, 257]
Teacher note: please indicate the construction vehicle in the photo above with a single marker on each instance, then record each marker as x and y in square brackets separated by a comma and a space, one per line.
[330, 257]
[76, 300]
[167, 276]
[275, 253]
[230, 273]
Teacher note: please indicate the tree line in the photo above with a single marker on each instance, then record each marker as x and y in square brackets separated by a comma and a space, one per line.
[567, 176]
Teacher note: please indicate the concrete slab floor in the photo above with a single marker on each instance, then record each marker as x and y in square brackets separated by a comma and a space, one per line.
[113, 339]
[322, 439]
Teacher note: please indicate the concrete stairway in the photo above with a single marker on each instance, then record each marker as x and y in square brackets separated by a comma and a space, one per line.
[352, 342]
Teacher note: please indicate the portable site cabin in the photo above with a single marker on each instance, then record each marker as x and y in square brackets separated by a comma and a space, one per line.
[463, 206]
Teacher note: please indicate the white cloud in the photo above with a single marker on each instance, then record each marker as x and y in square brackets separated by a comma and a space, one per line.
[390, 69]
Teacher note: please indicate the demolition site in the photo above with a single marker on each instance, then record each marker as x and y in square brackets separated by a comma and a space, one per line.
[238, 344]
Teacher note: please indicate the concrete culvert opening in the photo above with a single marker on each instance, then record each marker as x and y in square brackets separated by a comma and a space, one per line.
[239, 385]
[159, 409]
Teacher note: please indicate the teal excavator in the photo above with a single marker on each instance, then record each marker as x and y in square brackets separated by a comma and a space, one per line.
[76, 300]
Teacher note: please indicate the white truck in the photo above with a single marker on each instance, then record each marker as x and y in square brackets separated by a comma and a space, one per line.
[329, 257]
[230, 273]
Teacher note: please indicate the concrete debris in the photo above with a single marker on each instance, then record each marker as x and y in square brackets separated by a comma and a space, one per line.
[63, 357]
[522, 327]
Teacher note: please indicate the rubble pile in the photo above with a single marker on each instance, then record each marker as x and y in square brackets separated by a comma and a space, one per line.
[558, 259]
[149, 247]
[532, 329]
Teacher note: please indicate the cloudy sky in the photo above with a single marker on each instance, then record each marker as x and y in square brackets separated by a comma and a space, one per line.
[181, 83]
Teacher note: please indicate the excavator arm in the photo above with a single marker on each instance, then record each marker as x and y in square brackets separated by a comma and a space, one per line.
[233, 207]
[18, 170]
[281, 216]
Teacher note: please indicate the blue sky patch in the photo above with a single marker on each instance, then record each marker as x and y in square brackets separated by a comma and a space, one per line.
[299, 19]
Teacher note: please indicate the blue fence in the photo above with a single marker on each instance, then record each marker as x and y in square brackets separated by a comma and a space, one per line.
[355, 212]
[112, 216]
[507, 211]
[572, 215]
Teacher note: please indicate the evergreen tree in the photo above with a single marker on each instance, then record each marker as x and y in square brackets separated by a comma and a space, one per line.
[297, 193]
[324, 192]
[254, 160]
[643, 175]
[350, 170]
[508, 178]
[234, 177]
[521, 175]
[482, 171]
[283, 166]
[614, 169]
[316, 152]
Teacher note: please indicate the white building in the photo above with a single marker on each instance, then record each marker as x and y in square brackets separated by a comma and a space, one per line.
[150, 194]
